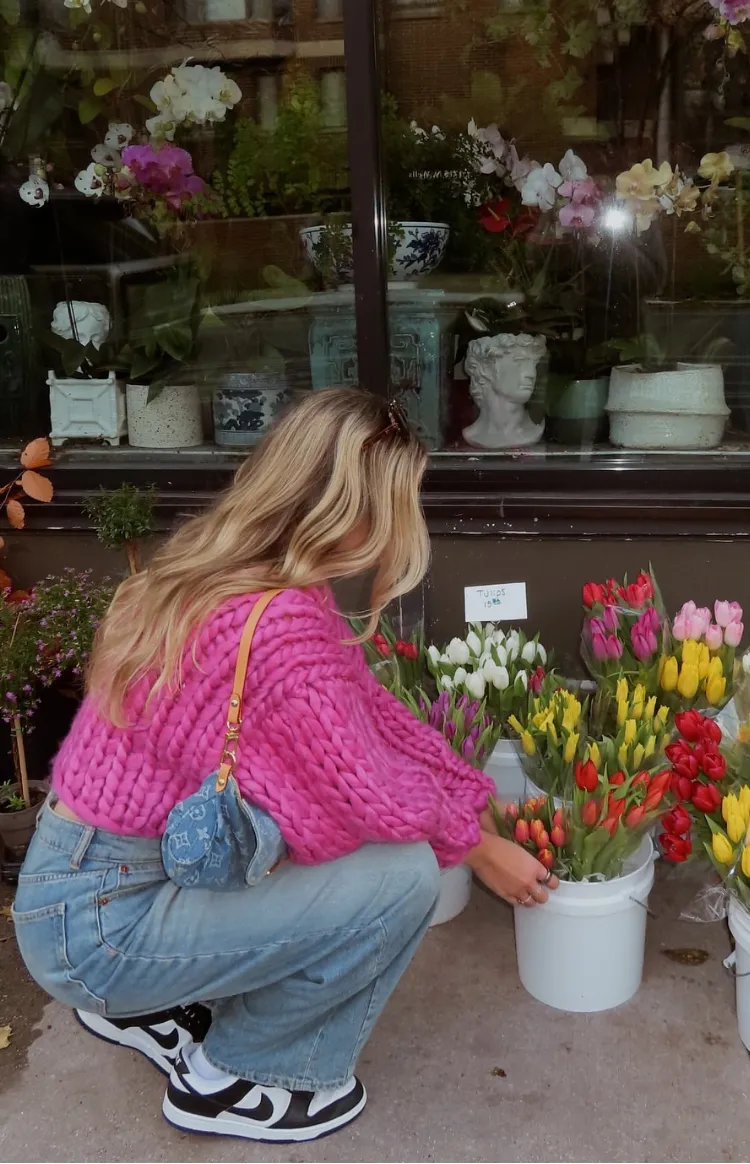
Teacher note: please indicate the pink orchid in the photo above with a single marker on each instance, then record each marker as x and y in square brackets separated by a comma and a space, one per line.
[733, 11]
[577, 216]
[733, 634]
[714, 637]
[581, 190]
[167, 172]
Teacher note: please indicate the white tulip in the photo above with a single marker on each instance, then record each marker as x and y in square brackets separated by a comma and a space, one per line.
[541, 652]
[489, 630]
[446, 682]
[498, 636]
[458, 652]
[513, 652]
[501, 678]
[460, 676]
[528, 654]
[502, 655]
[523, 679]
[475, 685]
[434, 654]
[513, 639]
[474, 643]
[485, 657]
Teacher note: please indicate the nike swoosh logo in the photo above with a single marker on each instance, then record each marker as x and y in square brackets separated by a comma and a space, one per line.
[166, 1042]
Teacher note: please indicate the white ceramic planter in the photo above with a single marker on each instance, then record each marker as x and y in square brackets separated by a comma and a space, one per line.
[583, 949]
[86, 409]
[683, 409]
[172, 421]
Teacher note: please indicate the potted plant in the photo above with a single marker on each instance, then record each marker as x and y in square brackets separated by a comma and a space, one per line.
[122, 518]
[87, 401]
[163, 400]
[583, 949]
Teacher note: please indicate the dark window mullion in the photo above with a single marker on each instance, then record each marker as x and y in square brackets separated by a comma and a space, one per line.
[370, 242]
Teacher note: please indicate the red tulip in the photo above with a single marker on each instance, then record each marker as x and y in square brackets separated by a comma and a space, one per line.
[521, 832]
[381, 643]
[687, 766]
[675, 849]
[557, 836]
[593, 593]
[587, 777]
[690, 725]
[635, 816]
[536, 827]
[557, 819]
[714, 766]
[546, 857]
[616, 808]
[647, 583]
[590, 812]
[711, 730]
[677, 821]
[706, 798]
[677, 750]
[682, 786]
[618, 778]
[642, 778]
[637, 595]
[610, 824]
[511, 812]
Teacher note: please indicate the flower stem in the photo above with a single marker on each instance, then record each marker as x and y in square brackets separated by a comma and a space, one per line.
[23, 771]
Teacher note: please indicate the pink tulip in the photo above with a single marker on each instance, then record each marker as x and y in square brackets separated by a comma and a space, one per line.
[614, 647]
[688, 609]
[736, 610]
[727, 612]
[714, 637]
[733, 634]
[702, 618]
[599, 646]
[650, 619]
[644, 642]
[681, 627]
[610, 618]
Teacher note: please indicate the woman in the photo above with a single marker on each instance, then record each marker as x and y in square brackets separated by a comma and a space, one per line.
[369, 802]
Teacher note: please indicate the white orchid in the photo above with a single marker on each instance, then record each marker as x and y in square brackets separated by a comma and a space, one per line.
[118, 135]
[105, 156]
[458, 652]
[474, 643]
[519, 168]
[433, 654]
[573, 168]
[84, 4]
[191, 94]
[540, 187]
[476, 685]
[34, 191]
[528, 654]
[91, 180]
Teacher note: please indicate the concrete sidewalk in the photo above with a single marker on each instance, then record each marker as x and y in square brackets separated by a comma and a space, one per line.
[464, 1066]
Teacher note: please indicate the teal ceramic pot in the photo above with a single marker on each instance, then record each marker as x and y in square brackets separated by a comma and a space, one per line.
[578, 415]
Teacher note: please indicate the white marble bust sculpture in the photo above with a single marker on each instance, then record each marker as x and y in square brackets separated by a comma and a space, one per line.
[502, 369]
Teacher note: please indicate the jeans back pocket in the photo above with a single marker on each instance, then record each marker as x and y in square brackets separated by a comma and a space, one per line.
[42, 940]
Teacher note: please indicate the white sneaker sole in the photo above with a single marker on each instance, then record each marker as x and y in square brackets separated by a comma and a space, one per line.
[229, 1124]
[135, 1039]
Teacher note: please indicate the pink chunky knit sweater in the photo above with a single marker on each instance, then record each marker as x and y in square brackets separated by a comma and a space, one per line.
[324, 749]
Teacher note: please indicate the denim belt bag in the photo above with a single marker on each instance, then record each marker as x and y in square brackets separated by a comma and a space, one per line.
[215, 839]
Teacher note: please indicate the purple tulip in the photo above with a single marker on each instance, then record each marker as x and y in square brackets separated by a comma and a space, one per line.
[599, 647]
[614, 647]
[650, 619]
[611, 619]
[644, 642]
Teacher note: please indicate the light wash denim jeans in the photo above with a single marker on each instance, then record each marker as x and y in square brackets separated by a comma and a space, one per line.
[296, 968]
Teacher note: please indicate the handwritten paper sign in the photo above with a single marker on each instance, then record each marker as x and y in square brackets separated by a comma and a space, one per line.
[499, 603]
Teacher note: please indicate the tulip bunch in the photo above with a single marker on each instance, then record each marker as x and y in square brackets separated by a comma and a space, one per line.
[464, 723]
[399, 664]
[700, 672]
[623, 629]
[729, 847]
[698, 778]
[642, 729]
[491, 665]
[536, 825]
[553, 737]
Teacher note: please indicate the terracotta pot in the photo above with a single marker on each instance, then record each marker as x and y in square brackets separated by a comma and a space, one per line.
[17, 827]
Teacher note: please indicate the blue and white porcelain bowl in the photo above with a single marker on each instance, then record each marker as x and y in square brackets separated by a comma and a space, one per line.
[245, 404]
[417, 249]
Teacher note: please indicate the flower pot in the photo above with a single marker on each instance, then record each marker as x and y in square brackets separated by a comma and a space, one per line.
[86, 409]
[506, 769]
[583, 949]
[739, 925]
[578, 416]
[684, 409]
[245, 404]
[416, 249]
[17, 827]
[172, 421]
[455, 892]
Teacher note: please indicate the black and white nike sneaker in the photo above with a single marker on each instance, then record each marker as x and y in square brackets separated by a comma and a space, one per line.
[230, 1106]
[160, 1037]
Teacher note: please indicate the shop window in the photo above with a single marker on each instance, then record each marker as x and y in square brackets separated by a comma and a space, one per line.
[333, 97]
[330, 10]
[268, 99]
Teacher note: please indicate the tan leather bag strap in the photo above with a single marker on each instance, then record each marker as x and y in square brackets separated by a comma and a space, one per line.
[234, 714]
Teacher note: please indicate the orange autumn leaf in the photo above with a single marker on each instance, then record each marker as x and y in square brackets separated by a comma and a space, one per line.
[16, 514]
[6, 582]
[36, 486]
[36, 454]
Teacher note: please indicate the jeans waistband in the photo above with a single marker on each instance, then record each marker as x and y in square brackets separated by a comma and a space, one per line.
[80, 840]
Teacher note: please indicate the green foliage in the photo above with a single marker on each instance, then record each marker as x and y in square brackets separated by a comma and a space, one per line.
[299, 166]
[162, 329]
[121, 516]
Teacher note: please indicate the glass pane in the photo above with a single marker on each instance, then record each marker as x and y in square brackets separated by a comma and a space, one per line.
[175, 232]
[568, 220]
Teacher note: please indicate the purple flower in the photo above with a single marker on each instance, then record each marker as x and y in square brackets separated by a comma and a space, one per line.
[644, 642]
[167, 172]
[733, 11]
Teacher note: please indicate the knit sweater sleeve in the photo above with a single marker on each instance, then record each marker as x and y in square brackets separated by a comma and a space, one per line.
[321, 767]
[422, 743]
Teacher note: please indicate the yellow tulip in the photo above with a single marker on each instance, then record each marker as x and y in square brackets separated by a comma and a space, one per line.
[704, 660]
[735, 827]
[723, 851]
[650, 708]
[688, 682]
[639, 696]
[543, 719]
[662, 716]
[527, 743]
[622, 690]
[715, 688]
[570, 747]
[595, 756]
[743, 735]
[552, 735]
[715, 667]
[729, 804]
[650, 746]
[622, 711]
[690, 652]
[669, 675]
[638, 753]
[744, 801]
[571, 715]
[746, 861]
[631, 727]
[517, 726]
[622, 755]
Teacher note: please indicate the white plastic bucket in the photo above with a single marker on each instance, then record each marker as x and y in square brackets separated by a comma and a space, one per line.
[583, 950]
[455, 892]
[506, 769]
[739, 924]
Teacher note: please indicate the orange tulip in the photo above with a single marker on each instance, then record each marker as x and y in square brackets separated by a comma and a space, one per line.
[557, 836]
[546, 857]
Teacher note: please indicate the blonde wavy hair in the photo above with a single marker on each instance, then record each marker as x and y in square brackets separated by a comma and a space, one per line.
[331, 491]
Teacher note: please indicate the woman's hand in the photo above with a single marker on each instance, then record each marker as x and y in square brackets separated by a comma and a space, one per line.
[510, 872]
